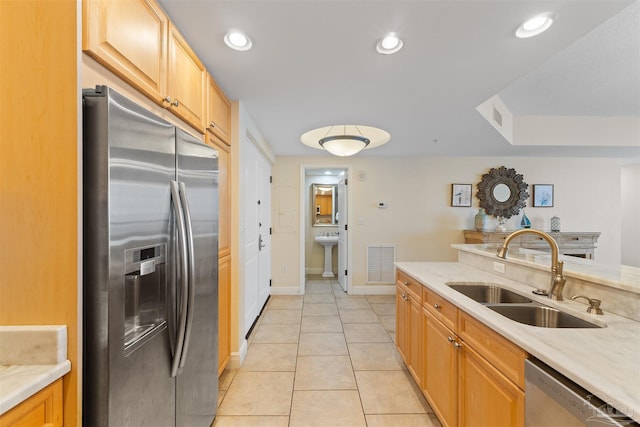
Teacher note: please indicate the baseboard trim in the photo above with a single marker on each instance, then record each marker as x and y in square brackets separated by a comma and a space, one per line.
[237, 357]
[374, 290]
[282, 290]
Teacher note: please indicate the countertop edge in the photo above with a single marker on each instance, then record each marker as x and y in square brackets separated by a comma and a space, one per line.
[36, 377]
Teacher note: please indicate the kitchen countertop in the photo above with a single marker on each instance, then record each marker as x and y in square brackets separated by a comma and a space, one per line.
[19, 382]
[614, 276]
[31, 358]
[604, 361]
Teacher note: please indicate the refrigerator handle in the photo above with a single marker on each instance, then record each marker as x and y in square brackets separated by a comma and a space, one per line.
[191, 276]
[183, 259]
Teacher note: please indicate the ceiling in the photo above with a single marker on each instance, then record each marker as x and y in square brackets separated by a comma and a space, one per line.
[314, 64]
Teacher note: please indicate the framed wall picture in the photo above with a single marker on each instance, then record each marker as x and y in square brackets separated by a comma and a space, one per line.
[461, 195]
[542, 195]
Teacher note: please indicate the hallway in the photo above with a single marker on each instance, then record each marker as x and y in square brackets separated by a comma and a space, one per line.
[323, 359]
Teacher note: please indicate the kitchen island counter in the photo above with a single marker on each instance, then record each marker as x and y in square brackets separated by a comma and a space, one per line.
[602, 360]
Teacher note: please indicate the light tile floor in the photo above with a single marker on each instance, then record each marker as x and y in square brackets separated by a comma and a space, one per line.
[326, 359]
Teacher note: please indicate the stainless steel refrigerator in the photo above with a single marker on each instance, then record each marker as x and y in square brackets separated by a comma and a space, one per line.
[150, 291]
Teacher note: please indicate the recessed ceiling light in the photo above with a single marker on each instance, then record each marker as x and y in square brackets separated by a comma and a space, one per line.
[237, 40]
[535, 25]
[389, 44]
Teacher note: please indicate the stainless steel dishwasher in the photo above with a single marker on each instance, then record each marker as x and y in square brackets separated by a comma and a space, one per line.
[552, 400]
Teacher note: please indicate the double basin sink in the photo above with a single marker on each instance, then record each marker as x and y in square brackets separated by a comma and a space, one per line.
[517, 307]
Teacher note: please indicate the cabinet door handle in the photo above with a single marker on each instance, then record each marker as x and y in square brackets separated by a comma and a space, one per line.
[437, 306]
[175, 103]
[167, 99]
[212, 125]
[451, 339]
[405, 283]
[457, 345]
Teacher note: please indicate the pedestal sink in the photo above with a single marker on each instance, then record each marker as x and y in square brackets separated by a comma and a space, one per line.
[328, 242]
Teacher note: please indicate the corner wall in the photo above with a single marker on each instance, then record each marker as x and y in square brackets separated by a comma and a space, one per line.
[419, 218]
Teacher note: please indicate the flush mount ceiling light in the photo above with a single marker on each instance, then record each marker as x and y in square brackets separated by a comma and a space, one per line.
[389, 44]
[534, 26]
[345, 140]
[237, 40]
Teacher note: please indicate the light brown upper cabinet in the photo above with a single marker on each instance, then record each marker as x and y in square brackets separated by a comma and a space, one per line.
[218, 111]
[186, 81]
[129, 38]
[136, 40]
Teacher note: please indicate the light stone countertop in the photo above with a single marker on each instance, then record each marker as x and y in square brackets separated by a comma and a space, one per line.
[615, 276]
[19, 382]
[31, 358]
[604, 361]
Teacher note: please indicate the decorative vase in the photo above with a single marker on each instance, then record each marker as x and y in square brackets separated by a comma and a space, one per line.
[481, 220]
[524, 222]
[555, 223]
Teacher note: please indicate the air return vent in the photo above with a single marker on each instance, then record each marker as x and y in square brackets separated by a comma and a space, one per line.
[497, 117]
[380, 259]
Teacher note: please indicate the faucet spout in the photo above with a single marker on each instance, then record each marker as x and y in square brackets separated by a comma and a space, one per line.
[557, 278]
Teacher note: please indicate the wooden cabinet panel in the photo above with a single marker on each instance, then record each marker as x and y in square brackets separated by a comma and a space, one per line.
[502, 353]
[411, 285]
[440, 384]
[487, 398]
[224, 194]
[129, 38]
[224, 312]
[218, 111]
[39, 174]
[440, 308]
[186, 81]
[409, 330]
[402, 323]
[42, 409]
[415, 364]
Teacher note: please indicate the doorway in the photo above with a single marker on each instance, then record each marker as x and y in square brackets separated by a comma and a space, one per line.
[324, 215]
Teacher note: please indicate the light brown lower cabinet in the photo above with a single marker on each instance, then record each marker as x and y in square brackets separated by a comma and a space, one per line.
[409, 325]
[486, 397]
[440, 378]
[43, 409]
[224, 312]
[470, 375]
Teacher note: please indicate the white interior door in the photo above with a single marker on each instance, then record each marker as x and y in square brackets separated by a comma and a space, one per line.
[256, 220]
[264, 229]
[251, 241]
[342, 234]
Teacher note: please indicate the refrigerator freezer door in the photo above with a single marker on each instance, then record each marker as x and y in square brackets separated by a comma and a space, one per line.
[197, 382]
[129, 160]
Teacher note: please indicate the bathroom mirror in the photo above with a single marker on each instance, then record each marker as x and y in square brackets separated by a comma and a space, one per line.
[502, 192]
[324, 204]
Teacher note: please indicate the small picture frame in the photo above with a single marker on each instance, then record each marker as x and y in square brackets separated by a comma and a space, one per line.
[542, 195]
[461, 195]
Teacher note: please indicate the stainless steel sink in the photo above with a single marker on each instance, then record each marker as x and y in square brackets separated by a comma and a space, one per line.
[517, 307]
[541, 316]
[487, 293]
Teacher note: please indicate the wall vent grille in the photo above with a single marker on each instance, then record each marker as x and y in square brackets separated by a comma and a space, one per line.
[380, 259]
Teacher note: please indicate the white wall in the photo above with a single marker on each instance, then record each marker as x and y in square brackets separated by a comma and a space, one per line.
[419, 219]
[630, 193]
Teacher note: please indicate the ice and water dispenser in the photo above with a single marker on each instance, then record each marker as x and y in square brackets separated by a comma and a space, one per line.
[144, 294]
